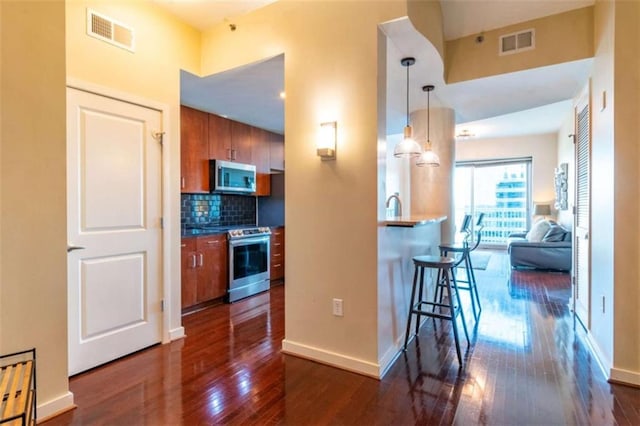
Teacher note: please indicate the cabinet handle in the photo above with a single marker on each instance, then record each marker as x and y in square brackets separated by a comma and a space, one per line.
[276, 254]
[213, 242]
[278, 265]
[193, 263]
[182, 182]
[277, 244]
[233, 154]
[183, 245]
[201, 259]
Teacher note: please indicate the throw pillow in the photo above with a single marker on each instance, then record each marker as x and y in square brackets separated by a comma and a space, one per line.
[554, 234]
[538, 231]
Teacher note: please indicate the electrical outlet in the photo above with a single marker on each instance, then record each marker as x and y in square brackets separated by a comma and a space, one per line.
[337, 307]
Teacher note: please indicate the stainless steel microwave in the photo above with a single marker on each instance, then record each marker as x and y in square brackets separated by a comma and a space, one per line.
[227, 176]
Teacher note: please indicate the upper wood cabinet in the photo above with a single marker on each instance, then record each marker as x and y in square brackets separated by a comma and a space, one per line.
[219, 138]
[207, 137]
[240, 142]
[194, 150]
[260, 151]
[276, 148]
[229, 140]
[260, 157]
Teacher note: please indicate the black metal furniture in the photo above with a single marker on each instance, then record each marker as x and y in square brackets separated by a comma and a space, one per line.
[462, 252]
[447, 309]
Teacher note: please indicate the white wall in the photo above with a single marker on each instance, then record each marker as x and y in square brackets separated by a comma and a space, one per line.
[542, 149]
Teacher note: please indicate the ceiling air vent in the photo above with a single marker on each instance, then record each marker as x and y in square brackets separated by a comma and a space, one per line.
[517, 42]
[109, 30]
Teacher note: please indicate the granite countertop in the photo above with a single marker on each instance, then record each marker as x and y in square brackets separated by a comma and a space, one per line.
[197, 231]
[208, 229]
[413, 220]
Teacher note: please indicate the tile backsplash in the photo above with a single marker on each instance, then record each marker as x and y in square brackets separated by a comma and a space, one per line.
[217, 209]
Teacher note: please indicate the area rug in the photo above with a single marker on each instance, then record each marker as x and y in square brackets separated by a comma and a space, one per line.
[480, 259]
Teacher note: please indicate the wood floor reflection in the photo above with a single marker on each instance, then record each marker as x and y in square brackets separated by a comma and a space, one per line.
[526, 365]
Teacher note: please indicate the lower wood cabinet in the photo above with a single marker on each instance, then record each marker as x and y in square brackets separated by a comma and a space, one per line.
[204, 269]
[277, 253]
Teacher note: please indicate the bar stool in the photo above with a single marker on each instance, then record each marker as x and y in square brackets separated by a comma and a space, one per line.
[464, 250]
[453, 305]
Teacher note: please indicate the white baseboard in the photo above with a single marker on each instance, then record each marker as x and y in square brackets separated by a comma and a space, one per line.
[603, 361]
[333, 359]
[176, 333]
[55, 406]
[625, 376]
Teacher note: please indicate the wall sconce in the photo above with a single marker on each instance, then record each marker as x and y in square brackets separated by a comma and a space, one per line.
[326, 148]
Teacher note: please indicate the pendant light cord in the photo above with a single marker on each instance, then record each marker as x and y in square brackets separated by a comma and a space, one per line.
[407, 95]
[428, 116]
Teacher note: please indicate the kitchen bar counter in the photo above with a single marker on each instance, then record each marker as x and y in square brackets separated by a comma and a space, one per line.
[412, 221]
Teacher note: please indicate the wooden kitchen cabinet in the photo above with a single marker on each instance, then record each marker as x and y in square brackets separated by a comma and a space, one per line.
[212, 267]
[276, 154]
[240, 142]
[219, 138]
[260, 157]
[189, 272]
[194, 150]
[204, 269]
[229, 140]
[277, 253]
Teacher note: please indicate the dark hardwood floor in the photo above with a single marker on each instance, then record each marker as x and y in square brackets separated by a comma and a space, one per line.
[526, 365]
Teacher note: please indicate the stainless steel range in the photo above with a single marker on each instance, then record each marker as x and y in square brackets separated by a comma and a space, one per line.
[249, 256]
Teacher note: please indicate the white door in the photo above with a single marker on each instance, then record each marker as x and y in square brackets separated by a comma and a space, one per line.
[113, 227]
[581, 223]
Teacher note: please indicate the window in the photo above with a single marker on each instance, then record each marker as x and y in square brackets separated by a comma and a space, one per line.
[501, 190]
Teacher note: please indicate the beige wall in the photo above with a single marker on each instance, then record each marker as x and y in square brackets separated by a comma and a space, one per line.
[626, 194]
[602, 183]
[542, 149]
[426, 17]
[560, 38]
[151, 73]
[32, 187]
[331, 208]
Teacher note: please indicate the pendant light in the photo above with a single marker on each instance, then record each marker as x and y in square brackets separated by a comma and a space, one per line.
[428, 157]
[408, 147]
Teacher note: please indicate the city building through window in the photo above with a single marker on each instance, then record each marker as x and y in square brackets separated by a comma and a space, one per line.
[500, 189]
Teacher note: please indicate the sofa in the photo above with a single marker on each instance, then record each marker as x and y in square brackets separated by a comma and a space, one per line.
[547, 245]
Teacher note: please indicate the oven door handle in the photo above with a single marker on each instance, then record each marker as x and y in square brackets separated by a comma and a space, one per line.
[249, 240]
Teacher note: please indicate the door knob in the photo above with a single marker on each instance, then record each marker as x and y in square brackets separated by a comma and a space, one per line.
[72, 248]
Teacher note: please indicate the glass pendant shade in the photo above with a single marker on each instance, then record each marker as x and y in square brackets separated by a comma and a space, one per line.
[428, 157]
[407, 147]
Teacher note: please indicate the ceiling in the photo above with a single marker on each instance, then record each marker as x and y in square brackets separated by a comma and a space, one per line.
[203, 14]
[532, 101]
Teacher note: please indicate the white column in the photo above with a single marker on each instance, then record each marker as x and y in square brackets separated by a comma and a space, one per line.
[432, 187]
